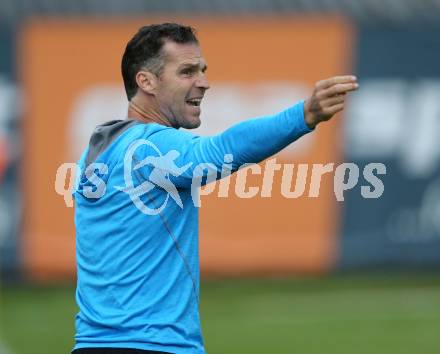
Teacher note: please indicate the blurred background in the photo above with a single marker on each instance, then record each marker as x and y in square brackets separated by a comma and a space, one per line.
[300, 275]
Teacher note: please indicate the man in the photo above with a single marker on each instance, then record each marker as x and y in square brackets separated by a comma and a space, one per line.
[137, 249]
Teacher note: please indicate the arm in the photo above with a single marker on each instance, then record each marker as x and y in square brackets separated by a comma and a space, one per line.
[250, 141]
[254, 140]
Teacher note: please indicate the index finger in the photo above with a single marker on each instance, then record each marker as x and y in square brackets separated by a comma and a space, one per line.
[336, 80]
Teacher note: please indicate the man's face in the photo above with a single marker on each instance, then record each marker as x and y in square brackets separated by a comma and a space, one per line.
[182, 84]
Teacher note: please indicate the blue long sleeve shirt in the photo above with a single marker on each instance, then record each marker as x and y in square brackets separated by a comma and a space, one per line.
[137, 240]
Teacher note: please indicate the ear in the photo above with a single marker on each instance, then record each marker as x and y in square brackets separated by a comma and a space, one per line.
[146, 81]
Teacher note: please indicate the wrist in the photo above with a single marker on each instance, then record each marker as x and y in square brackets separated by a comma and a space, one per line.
[309, 117]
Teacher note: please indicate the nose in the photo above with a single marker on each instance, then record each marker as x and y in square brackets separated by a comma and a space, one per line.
[202, 82]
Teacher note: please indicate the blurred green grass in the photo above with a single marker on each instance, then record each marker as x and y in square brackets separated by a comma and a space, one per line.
[374, 314]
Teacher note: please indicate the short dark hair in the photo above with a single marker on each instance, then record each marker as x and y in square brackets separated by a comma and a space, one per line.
[144, 50]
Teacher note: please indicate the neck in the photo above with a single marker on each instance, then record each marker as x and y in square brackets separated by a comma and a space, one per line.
[146, 115]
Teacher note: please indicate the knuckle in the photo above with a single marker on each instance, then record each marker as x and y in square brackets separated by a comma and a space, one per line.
[333, 90]
[340, 87]
[326, 111]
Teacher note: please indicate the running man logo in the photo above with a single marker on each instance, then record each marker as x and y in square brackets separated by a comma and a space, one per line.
[163, 166]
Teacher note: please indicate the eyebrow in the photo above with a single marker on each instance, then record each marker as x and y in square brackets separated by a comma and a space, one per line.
[204, 67]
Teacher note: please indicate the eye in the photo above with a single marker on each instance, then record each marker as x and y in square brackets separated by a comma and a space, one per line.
[187, 71]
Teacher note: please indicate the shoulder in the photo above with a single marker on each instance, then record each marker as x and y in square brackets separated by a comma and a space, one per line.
[165, 136]
[144, 138]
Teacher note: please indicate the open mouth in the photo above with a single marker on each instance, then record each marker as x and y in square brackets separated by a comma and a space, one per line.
[194, 102]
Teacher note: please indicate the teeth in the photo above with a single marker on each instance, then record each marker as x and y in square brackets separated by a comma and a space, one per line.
[195, 101]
